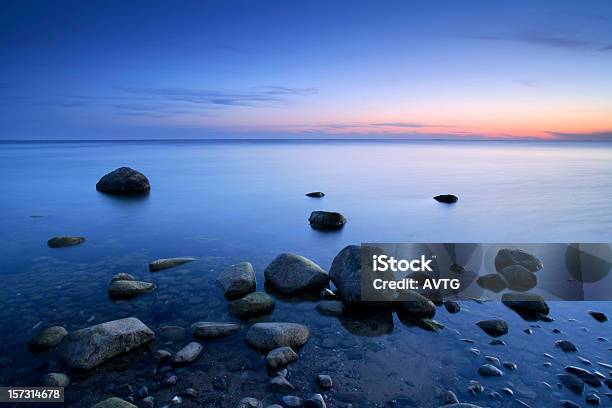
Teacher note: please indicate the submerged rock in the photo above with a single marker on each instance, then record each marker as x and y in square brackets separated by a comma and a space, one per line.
[493, 327]
[415, 305]
[238, 280]
[315, 401]
[326, 220]
[324, 381]
[449, 397]
[47, 339]
[212, 330]
[249, 403]
[599, 316]
[291, 401]
[187, 354]
[60, 242]
[253, 304]
[124, 180]
[507, 257]
[87, 348]
[166, 263]
[584, 375]
[315, 194]
[280, 357]
[518, 278]
[290, 274]
[446, 198]
[493, 282]
[566, 345]
[125, 289]
[489, 370]
[331, 307]
[114, 402]
[56, 380]
[452, 306]
[269, 336]
[122, 277]
[572, 383]
[281, 385]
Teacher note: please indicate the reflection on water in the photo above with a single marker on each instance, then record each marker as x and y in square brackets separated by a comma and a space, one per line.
[233, 202]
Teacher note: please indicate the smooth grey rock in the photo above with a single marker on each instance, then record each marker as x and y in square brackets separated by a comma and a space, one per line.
[326, 220]
[324, 381]
[518, 278]
[249, 403]
[526, 303]
[213, 330]
[125, 289]
[253, 304]
[489, 370]
[114, 402]
[493, 327]
[572, 383]
[124, 180]
[290, 274]
[449, 397]
[291, 401]
[47, 339]
[415, 305]
[493, 282]
[281, 385]
[446, 198]
[315, 401]
[166, 263]
[162, 355]
[238, 280]
[507, 257]
[61, 242]
[566, 345]
[272, 335]
[187, 354]
[122, 277]
[87, 348]
[331, 307]
[315, 194]
[56, 380]
[280, 357]
[452, 306]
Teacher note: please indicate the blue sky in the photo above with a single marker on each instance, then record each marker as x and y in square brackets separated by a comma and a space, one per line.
[215, 69]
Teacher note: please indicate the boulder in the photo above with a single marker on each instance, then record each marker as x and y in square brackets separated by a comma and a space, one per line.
[290, 274]
[518, 278]
[272, 335]
[125, 289]
[56, 380]
[415, 305]
[47, 339]
[326, 220]
[493, 327]
[315, 194]
[331, 307]
[60, 242]
[114, 402]
[253, 304]
[525, 303]
[599, 316]
[280, 357]
[212, 330]
[124, 180]
[187, 354]
[87, 348]
[493, 282]
[572, 383]
[166, 263]
[446, 198]
[488, 370]
[507, 257]
[238, 280]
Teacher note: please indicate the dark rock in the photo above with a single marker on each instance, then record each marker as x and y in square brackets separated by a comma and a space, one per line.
[488, 370]
[122, 277]
[415, 305]
[125, 289]
[172, 333]
[593, 399]
[494, 327]
[568, 404]
[324, 381]
[584, 375]
[162, 355]
[566, 345]
[507, 257]
[599, 316]
[291, 401]
[291, 274]
[281, 385]
[170, 381]
[280, 357]
[272, 335]
[213, 330]
[167, 263]
[238, 280]
[253, 304]
[518, 278]
[452, 306]
[316, 401]
[147, 402]
[493, 282]
[187, 354]
[60, 242]
[526, 303]
[114, 402]
[328, 294]
[249, 403]
[87, 348]
[572, 383]
[315, 194]
[509, 365]
[331, 307]
[47, 339]
[326, 220]
[56, 380]
[124, 180]
[446, 198]
[449, 397]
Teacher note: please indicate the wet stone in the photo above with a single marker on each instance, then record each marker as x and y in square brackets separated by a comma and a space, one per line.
[599, 316]
[572, 383]
[56, 380]
[488, 370]
[331, 308]
[493, 327]
[47, 339]
[566, 345]
[187, 354]
[252, 305]
[249, 403]
[280, 357]
[213, 330]
[281, 385]
[324, 381]
[291, 401]
[238, 280]
[61, 242]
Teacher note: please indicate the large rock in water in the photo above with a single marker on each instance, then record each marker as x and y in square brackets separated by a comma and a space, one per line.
[126, 289]
[446, 198]
[291, 274]
[507, 257]
[493, 327]
[87, 348]
[61, 242]
[526, 303]
[238, 280]
[270, 336]
[124, 180]
[326, 220]
[166, 263]
[253, 304]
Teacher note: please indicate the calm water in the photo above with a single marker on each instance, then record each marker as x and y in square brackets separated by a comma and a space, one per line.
[227, 202]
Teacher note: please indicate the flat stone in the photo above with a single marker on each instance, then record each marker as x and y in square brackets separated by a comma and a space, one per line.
[572, 383]
[87, 348]
[280, 357]
[61, 242]
[493, 327]
[125, 289]
[315, 194]
[166, 263]
[272, 335]
[213, 330]
[599, 316]
[238, 280]
[566, 345]
[187, 354]
[252, 305]
[290, 274]
[47, 339]
[584, 375]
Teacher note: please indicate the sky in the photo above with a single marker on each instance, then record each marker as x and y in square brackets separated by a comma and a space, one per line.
[305, 69]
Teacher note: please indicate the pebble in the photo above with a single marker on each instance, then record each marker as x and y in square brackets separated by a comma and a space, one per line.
[280, 357]
[170, 381]
[493, 327]
[452, 306]
[56, 380]
[249, 402]
[281, 385]
[324, 381]
[566, 345]
[509, 365]
[449, 397]
[187, 354]
[291, 401]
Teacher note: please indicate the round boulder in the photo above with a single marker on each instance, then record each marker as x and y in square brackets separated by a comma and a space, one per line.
[238, 280]
[272, 335]
[291, 274]
[253, 304]
[124, 180]
[326, 220]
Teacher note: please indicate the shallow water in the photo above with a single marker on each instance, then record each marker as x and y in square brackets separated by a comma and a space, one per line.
[227, 202]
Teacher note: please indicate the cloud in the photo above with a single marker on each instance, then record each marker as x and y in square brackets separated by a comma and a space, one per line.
[400, 124]
[603, 136]
[543, 38]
